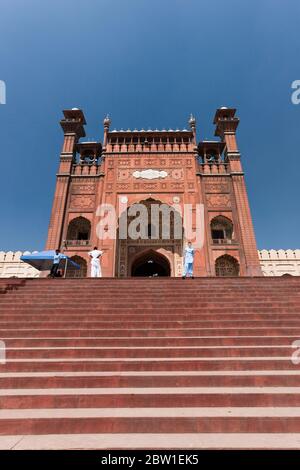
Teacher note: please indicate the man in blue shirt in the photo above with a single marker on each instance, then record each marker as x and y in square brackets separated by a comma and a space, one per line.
[189, 253]
[56, 260]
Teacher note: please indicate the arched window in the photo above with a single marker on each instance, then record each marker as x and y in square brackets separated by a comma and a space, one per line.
[227, 265]
[75, 272]
[79, 231]
[221, 230]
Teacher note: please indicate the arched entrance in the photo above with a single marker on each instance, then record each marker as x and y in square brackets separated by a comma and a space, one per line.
[160, 231]
[74, 272]
[227, 265]
[151, 264]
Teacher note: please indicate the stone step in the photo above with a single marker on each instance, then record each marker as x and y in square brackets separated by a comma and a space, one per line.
[151, 341]
[144, 441]
[135, 304]
[157, 289]
[119, 397]
[154, 317]
[150, 425]
[254, 324]
[62, 309]
[48, 380]
[149, 364]
[149, 352]
[199, 294]
[180, 331]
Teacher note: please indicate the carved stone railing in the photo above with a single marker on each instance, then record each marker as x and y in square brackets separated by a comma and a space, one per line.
[214, 168]
[224, 241]
[149, 147]
[86, 169]
[69, 243]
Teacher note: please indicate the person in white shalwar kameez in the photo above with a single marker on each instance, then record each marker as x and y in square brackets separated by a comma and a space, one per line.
[95, 256]
[189, 254]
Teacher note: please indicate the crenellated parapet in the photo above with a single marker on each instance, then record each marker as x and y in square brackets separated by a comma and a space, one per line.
[280, 262]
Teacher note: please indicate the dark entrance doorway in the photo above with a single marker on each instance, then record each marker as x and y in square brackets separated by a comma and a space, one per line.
[151, 264]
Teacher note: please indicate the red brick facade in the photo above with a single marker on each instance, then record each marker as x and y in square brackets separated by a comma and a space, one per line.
[208, 173]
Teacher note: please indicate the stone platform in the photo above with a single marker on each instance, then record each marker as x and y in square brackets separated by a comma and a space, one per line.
[150, 363]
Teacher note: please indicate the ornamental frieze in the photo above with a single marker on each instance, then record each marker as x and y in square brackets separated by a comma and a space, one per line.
[218, 200]
[176, 162]
[216, 188]
[124, 162]
[149, 186]
[216, 179]
[151, 162]
[82, 202]
[177, 186]
[123, 186]
[83, 189]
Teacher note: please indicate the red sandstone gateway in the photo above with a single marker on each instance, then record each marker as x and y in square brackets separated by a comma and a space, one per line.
[154, 167]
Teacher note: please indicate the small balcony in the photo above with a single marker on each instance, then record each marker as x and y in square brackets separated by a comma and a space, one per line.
[224, 241]
[78, 233]
[70, 243]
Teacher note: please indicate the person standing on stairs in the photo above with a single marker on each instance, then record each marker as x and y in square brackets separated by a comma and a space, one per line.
[56, 260]
[189, 253]
[95, 256]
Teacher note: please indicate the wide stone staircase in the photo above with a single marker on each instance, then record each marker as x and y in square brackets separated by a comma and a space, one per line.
[150, 363]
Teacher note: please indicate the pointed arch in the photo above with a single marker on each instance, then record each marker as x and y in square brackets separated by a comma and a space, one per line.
[227, 266]
[221, 229]
[150, 263]
[79, 231]
[74, 272]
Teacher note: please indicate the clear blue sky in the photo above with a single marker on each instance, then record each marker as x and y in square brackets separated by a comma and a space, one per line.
[149, 63]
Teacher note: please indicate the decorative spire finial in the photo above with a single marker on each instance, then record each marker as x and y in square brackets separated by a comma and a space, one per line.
[107, 121]
[192, 121]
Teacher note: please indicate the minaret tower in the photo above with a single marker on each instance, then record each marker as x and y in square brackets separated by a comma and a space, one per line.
[73, 128]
